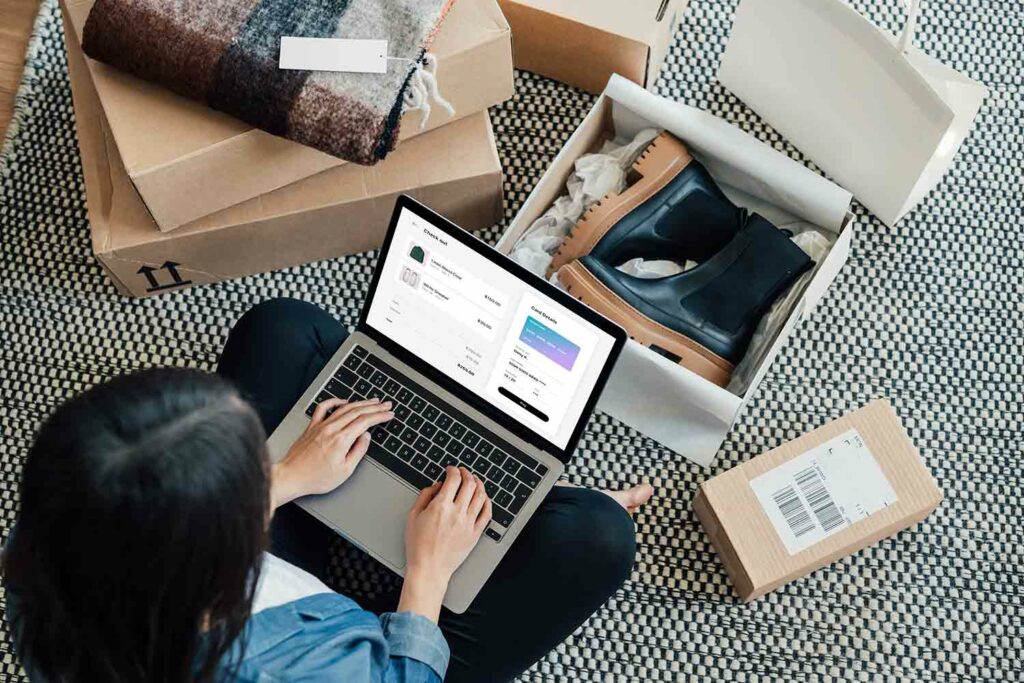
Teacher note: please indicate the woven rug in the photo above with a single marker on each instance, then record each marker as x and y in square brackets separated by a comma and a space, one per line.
[928, 314]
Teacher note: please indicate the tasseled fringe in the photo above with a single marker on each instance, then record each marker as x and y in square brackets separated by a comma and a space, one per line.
[423, 89]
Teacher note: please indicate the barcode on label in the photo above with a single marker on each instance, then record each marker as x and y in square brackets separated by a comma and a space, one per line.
[793, 510]
[820, 500]
[822, 491]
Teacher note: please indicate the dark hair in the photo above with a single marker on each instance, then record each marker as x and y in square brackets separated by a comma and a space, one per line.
[144, 504]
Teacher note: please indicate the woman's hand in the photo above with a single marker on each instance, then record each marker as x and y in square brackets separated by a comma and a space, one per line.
[328, 451]
[444, 525]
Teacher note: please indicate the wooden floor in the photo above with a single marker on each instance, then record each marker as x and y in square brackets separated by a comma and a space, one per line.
[16, 19]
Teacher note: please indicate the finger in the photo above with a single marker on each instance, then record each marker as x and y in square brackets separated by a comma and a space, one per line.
[358, 450]
[426, 495]
[354, 405]
[452, 479]
[479, 498]
[355, 408]
[364, 423]
[346, 420]
[484, 518]
[343, 440]
[466, 490]
[322, 408]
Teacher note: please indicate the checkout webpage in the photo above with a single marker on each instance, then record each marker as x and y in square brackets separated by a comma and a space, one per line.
[488, 330]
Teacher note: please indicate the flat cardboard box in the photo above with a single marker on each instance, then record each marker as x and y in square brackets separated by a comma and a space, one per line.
[583, 42]
[173, 147]
[657, 397]
[748, 541]
[344, 210]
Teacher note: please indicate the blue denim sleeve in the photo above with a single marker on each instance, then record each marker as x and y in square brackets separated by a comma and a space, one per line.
[323, 638]
[328, 637]
[415, 637]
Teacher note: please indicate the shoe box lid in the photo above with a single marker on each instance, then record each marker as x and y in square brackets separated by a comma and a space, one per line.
[870, 109]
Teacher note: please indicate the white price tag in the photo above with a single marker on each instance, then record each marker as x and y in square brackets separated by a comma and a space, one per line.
[823, 491]
[334, 54]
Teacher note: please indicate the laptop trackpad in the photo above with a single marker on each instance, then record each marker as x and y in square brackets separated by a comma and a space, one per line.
[370, 508]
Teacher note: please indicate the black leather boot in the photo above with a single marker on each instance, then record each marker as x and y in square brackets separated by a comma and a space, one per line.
[703, 318]
[675, 211]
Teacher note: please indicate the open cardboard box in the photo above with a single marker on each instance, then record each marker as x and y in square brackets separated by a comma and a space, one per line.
[583, 42]
[173, 147]
[659, 398]
[343, 210]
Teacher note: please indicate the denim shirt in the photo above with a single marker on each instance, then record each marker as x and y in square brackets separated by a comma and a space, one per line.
[325, 637]
[328, 637]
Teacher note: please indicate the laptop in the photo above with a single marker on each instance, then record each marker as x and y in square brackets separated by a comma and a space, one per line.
[488, 366]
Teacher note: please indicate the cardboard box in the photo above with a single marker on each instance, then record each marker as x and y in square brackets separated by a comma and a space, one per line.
[174, 147]
[858, 477]
[659, 398]
[340, 211]
[583, 42]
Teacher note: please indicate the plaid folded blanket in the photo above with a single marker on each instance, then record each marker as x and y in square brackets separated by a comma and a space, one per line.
[225, 53]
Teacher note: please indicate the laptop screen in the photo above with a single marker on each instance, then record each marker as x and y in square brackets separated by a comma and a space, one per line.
[497, 335]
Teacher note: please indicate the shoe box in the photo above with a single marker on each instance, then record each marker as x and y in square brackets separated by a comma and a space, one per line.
[340, 210]
[658, 397]
[583, 42]
[171, 146]
[806, 504]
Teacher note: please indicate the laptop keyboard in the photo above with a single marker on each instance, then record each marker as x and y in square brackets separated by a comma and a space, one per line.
[426, 435]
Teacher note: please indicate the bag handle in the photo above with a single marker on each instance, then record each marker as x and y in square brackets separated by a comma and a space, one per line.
[907, 37]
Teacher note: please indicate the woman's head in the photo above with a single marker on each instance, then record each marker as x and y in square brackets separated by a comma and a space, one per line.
[143, 510]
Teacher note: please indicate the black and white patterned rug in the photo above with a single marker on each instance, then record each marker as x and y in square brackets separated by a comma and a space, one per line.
[928, 314]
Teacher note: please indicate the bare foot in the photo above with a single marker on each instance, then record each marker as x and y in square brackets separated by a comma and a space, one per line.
[632, 499]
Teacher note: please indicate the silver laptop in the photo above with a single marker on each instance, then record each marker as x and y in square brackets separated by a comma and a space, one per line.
[488, 367]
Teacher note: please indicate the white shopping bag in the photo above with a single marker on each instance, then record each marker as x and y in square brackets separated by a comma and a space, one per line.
[877, 114]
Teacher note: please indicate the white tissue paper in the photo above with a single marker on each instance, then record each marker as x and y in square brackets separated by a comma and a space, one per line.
[595, 176]
[603, 172]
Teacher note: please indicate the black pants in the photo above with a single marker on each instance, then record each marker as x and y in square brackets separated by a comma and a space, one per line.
[572, 556]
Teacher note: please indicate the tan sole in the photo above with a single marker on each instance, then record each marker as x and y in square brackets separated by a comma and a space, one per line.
[692, 356]
[662, 161]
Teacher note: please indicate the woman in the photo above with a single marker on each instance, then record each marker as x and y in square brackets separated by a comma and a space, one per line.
[139, 555]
